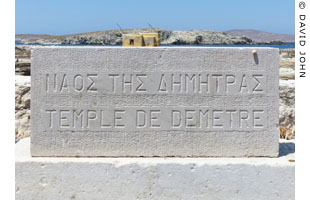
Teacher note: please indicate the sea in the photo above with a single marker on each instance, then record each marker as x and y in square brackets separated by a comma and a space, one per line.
[286, 45]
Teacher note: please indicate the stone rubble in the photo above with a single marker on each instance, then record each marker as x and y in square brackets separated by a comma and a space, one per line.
[287, 109]
[22, 107]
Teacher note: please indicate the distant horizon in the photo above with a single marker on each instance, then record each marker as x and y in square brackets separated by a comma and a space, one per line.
[76, 16]
[147, 28]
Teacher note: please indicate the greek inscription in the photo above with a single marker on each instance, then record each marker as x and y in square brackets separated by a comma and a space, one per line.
[227, 83]
[64, 83]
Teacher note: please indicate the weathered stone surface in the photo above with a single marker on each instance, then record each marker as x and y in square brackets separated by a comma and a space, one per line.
[22, 59]
[287, 73]
[160, 101]
[287, 109]
[22, 107]
[287, 56]
[155, 178]
[287, 64]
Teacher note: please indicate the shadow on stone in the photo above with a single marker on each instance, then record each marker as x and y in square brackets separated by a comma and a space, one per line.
[286, 148]
[256, 59]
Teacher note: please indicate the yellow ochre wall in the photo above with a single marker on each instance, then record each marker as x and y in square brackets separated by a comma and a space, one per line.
[143, 39]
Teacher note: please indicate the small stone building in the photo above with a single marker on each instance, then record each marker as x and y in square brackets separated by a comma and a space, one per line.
[142, 39]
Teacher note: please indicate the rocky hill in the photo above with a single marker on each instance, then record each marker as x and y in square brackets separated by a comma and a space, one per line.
[261, 36]
[114, 37]
[31, 37]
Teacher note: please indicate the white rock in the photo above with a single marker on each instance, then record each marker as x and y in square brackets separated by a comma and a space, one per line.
[287, 73]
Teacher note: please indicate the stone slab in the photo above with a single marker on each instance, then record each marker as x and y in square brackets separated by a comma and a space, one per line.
[162, 101]
[155, 178]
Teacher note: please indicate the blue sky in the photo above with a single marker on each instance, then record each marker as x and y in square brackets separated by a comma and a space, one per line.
[77, 16]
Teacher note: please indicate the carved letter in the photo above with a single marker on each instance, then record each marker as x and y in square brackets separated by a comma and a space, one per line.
[204, 115]
[233, 81]
[91, 115]
[256, 119]
[78, 89]
[243, 84]
[176, 83]
[63, 123]
[90, 87]
[77, 116]
[102, 125]
[139, 88]
[192, 80]
[231, 117]
[162, 84]
[113, 76]
[217, 84]
[216, 118]
[256, 89]
[64, 83]
[127, 83]
[154, 118]
[118, 118]
[243, 118]
[179, 119]
[51, 117]
[140, 114]
[201, 82]
[190, 119]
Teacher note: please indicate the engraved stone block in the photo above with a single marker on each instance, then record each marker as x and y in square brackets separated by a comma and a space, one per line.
[157, 101]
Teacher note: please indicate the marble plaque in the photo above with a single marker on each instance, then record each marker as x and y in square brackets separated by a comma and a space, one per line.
[154, 101]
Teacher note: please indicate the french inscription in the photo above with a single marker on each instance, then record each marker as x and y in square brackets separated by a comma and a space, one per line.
[161, 118]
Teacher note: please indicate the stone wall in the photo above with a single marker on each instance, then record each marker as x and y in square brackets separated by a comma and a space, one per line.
[287, 93]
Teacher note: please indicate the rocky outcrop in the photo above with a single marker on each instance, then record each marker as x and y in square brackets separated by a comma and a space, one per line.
[22, 59]
[22, 51]
[104, 39]
[261, 35]
[287, 109]
[21, 38]
[114, 37]
[195, 37]
[22, 107]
